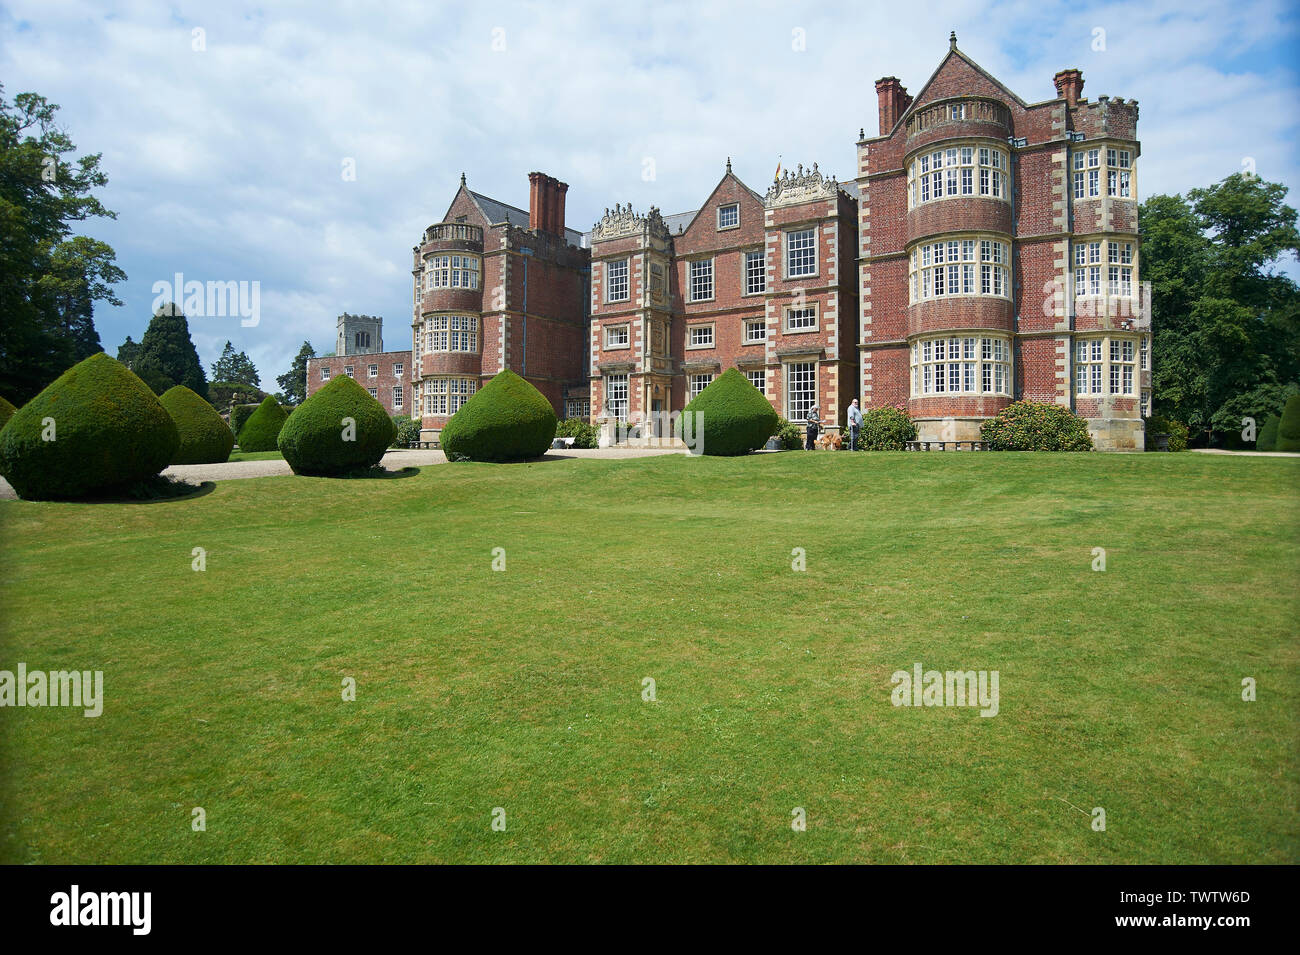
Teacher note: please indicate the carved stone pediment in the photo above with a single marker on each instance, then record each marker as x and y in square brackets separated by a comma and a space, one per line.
[622, 221]
[800, 186]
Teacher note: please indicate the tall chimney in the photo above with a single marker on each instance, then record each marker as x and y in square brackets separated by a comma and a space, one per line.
[552, 202]
[560, 189]
[536, 197]
[893, 100]
[1069, 84]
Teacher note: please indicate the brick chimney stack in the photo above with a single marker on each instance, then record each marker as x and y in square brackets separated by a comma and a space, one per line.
[893, 100]
[546, 203]
[560, 189]
[1069, 84]
[537, 193]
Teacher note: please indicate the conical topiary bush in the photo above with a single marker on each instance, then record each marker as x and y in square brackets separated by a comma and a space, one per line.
[96, 427]
[1288, 428]
[506, 420]
[6, 411]
[1267, 440]
[340, 428]
[205, 438]
[729, 417]
[262, 428]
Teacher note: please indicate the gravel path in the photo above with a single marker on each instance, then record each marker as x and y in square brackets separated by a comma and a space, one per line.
[393, 461]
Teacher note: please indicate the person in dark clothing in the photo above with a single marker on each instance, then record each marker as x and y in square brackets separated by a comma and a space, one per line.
[814, 426]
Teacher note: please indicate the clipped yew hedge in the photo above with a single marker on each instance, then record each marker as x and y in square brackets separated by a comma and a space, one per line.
[1288, 428]
[729, 417]
[1032, 426]
[260, 431]
[1267, 440]
[506, 420]
[96, 428]
[6, 411]
[339, 429]
[205, 437]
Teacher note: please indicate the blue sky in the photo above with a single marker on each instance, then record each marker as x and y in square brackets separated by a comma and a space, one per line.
[225, 163]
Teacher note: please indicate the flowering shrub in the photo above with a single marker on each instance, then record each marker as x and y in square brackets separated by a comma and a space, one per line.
[1030, 426]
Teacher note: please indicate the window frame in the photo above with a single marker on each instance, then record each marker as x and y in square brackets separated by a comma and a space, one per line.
[725, 207]
[693, 327]
[625, 280]
[691, 279]
[787, 235]
[788, 329]
[625, 328]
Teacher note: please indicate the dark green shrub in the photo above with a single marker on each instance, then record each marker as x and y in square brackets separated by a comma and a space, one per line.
[239, 415]
[1288, 428]
[1159, 424]
[109, 431]
[506, 420]
[263, 426]
[205, 438]
[788, 436]
[583, 432]
[884, 429]
[729, 417]
[407, 431]
[223, 394]
[6, 411]
[1031, 426]
[340, 428]
[1267, 440]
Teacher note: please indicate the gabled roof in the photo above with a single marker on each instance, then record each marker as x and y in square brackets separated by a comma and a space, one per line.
[953, 53]
[687, 219]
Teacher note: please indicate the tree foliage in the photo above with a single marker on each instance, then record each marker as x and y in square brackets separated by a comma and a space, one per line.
[51, 278]
[1226, 322]
[293, 383]
[235, 366]
[168, 356]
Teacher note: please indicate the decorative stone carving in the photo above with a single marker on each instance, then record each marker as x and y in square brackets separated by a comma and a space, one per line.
[622, 221]
[800, 186]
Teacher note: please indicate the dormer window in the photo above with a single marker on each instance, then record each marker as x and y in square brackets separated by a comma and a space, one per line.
[729, 216]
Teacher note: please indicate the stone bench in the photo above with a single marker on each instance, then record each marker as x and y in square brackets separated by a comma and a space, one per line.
[944, 445]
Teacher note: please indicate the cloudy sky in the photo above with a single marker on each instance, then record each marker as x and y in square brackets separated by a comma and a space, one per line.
[226, 147]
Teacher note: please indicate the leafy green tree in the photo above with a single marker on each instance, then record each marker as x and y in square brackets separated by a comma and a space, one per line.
[1226, 339]
[235, 367]
[167, 355]
[51, 278]
[128, 353]
[293, 383]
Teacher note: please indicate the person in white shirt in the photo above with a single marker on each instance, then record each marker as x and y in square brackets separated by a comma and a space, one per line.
[855, 424]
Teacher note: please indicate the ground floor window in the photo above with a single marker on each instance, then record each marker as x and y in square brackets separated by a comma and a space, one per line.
[800, 389]
[963, 366]
[577, 408]
[616, 396]
[444, 396]
[697, 383]
[398, 398]
[1106, 366]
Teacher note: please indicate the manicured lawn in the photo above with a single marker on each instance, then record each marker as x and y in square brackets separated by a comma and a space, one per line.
[522, 689]
[256, 456]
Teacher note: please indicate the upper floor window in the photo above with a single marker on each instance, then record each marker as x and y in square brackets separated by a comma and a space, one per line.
[758, 378]
[1119, 173]
[372, 371]
[801, 319]
[755, 273]
[452, 333]
[616, 336]
[444, 396]
[347, 370]
[700, 336]
[324, 372]
[755, 331]
[399, 397]
[701, 280]
[419, 285]
[957, 111]
[1105, 365]
[616, 285]
[958, 171]
[729, 216]
[960, 267]
[374, 392]
[800, 253]
[1118, 267]
[453, 271]
[1088, 168]
[398, 368]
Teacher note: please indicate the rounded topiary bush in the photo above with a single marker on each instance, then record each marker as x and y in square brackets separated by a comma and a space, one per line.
[1267, 440]
[506, 420]
[729, 417]
[885, 429]
[205, 437]
[1288, 428]
[262, 428]
[6, 411]
[1031, 426]
[340, 428]
[96, 428]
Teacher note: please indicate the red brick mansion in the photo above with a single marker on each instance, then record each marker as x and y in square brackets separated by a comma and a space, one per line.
[987, 251]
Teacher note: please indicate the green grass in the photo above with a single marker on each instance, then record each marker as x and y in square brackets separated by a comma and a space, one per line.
[256, 456]
[478, 689]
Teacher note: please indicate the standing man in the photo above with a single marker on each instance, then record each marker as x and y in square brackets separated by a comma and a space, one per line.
[855, 424]
[814, 425]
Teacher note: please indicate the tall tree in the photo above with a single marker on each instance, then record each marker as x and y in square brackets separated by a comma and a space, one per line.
[128, 353]
[167, 355]
[1226, 323]
[293, 383]
[51, 278]
[235, 367]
